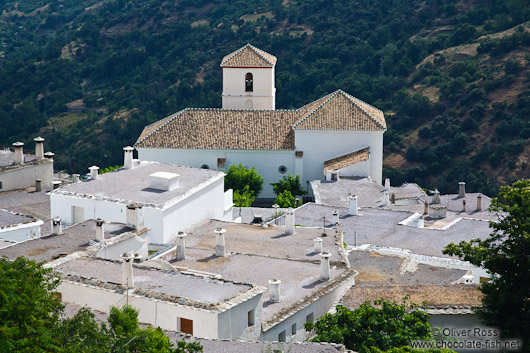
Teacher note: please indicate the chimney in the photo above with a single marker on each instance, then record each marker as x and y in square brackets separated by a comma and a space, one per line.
[128, 157]
[100, 231]
[324, 266]
[75, 178]
[436, 197]
[39, 147]
[421, 222]
[164, 181]
[461, 189]
[479, 202]
[134, 216]
[38, 185]
[317, 246]
[180, 253]
[19, 152]
[387, 184]
[289, 222]
[353, 210]
[274, 288]
[426, 207]
[94, 170]
[464, 205]
[386, 199]
[220, 242]
[127, 279]
[275, 206]
[335, 217]
[56, 184]
[57, 227]
[49, 155]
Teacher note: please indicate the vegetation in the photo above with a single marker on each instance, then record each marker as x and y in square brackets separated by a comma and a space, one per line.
[110, 169]
[285, 200]
[289, 183]
[246, 183]
[505, 255]
[451, 76]
[382, 327]
[30, 319]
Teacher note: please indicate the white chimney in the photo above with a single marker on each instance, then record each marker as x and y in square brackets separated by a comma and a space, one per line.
[220, 242]
[164, 181]
[479, 202]
[317, 246]
[324, 266]
[353, 210]
[128, 157]
[56, 184]
[289, 222]
[39, 147]
[387, 184]
[461, 189]
[386, 199]
[464, 205]
[19, 152]
[275, 206]
[49, 155]
[94, 170]
[335, 217]
[134, 216]
[274, 288]
[421, 222]
[181, 246]
[127, 279]
[436, 197]
[57, 227]
[75, 178]
[100, 231]
[38, 184]
[426, 207]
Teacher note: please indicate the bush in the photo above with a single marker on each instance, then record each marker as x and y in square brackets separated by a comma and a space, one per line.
[285, 200]
[238, 177]
[290, 183]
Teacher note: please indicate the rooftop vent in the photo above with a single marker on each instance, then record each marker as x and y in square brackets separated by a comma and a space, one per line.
[164, 181]
[180, 252]
[325, 273]
[461, 189]
[274, 287]
[94, 171]
[127, 279]
[100, 231]
[39, 147]
[220, 242]
[128, 157]
[19, 152]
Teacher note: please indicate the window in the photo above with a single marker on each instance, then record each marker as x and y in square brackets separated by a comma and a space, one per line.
[185, 326]
[221, 162]
[282, 169]
[334, 176]
[249, 82]
[250, 319]
[293, 329]
[1, 186]
[281, 337]
[309, 318]
[205, 166]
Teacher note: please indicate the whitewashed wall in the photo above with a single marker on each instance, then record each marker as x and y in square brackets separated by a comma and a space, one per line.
[266, 162]
[24, 176]
[319, 146]
[22, 232]
[234, 95]
[233, 324]
[135, 244]
[361, 169]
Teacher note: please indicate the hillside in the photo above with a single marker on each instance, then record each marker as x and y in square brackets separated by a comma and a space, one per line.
[451, 76]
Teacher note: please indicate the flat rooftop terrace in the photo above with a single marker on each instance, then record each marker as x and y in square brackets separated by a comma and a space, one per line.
[31, 203]
[8, 218]
[133, 185]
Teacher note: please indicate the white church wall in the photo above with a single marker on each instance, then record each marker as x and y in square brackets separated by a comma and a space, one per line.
[319, 146]
[262, 96]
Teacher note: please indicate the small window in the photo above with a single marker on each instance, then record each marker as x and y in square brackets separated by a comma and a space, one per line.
[221, 162]
[334, 176]
[205, 166]
[281, 337]
[309, 318]
[293, 329]
[282, 169]
[250, 319]
[185, 326]
[249, 82]
[1, 186]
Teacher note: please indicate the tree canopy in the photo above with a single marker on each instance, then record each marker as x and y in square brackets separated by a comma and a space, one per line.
[244, 181]
[505, 255]
[289, 183]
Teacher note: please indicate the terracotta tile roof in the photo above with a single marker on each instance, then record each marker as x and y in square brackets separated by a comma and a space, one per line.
[249, 56]
[340, 111]
[223, 129]
[347, 159]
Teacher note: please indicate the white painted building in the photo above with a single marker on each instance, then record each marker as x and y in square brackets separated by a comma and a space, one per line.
[163, 198]
[250, 131]
[20, 171]
[16, 227]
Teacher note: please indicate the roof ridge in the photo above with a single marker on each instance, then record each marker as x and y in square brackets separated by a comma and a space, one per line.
[256, 50]
[331, 95]
[158, 128]
[350, 98]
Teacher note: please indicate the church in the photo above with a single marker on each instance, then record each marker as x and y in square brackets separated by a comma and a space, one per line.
[336, 135]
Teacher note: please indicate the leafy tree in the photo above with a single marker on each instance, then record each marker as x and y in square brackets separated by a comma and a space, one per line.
[29, 307]
[504, 254]
[382, 326]
[290, 183]
[238, 177]
[285, 200]
[244, 197]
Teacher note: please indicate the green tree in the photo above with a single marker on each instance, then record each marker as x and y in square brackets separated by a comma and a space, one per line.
[243, 198]
[505, 255]
[285, 200]
[289, 183]
[29, 307]
[239, 176]
[382, 326]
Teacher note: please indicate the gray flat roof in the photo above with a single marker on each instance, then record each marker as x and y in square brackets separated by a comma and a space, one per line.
[380, 227]
[8, 218]
[34, 204]
[133, 185]
[8, 158]
[49, 247]
[173, 283]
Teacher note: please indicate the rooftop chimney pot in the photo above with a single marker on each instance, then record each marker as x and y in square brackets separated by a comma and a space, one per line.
[325, 273]
[336, 218]
[38, 185]
[353, 209]
[19, 152]
[386, 199]
[220, 248]
[134, 215]
[49, 155]
[387, 184]
[479, 202]
[75, 178]
[426, 207]
[100, 231]
[57, 226]
[180, 253]
[274, 287]
[461, 189]
[289, 222]
[127, 279]
[436, 197]
[94, 171]
[39, 147]
[464, 205]
[317, 246]
[128, 157]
